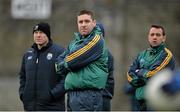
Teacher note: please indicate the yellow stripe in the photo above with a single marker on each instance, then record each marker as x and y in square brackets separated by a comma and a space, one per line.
[84, 49]
[129, 78]
[163, 64]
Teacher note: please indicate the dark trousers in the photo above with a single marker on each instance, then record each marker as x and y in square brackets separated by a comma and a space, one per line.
[84, 100]
[139, 105]
[135, 105]
[106, 103]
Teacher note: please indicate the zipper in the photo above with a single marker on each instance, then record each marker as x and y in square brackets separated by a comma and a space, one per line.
[37, 60]
[35, 85]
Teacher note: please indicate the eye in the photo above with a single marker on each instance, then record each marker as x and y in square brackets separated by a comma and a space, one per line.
[152, 34]
[36, 32]
[80, 22]
[87, 21]
[158, 34]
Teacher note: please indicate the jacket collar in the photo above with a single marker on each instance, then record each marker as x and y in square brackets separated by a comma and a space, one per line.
[154, 50]
[43, 48]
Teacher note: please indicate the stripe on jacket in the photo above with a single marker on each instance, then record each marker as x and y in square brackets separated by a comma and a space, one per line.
[129, 78]
[163, 64]
[83, 49]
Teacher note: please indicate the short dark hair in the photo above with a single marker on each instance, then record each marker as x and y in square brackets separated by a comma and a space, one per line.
[159, 26]
[88, 12]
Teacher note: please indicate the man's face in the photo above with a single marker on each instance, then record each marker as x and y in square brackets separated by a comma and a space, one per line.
[156, 37]
[85, 24]
[40, 38]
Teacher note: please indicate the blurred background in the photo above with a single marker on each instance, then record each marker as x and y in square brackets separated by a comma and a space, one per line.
[126, 25]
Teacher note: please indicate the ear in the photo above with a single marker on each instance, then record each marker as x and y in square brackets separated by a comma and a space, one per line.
[94, 22]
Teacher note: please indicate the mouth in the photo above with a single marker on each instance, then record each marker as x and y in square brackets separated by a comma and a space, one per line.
[154, 41]
[83, 30]
[38, 40]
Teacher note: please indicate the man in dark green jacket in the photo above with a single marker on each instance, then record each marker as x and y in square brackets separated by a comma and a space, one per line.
[86, 64]
[41, 89]
[149, 62]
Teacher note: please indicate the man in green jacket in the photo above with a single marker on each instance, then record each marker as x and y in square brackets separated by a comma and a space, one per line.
[149, 62]
[86, 64]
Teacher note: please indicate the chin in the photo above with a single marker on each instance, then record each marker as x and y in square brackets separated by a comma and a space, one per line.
[154, 45]
[84, 34]
[39, 43]
[156, 97]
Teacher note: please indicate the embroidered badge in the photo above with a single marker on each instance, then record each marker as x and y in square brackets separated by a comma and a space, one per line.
[142, 61]
[49, 56]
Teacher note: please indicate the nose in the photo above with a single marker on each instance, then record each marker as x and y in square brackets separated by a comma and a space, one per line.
[154, 37]
[83, 24]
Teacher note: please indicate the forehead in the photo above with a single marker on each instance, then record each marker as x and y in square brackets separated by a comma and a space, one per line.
[38, 31]
[84, 16]
[155, 30]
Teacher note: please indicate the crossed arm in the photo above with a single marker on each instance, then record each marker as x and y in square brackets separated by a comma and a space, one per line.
[82, 55]
[137, 76]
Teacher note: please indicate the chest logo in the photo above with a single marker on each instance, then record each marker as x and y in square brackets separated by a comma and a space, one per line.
[49, 56]
[142, 61]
